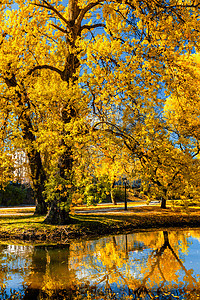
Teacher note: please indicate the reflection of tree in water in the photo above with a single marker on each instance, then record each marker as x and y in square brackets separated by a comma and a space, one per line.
[3, 269]
[44, 271]
[106, 270]
[4, 274]
[50, 276]
[161, 268]
[38, 270]
[155, 276]
[139, 266]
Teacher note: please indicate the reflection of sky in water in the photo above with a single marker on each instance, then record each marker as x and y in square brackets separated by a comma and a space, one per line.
[15, 283]
[93, 265]
[87, 261]
[190, 259]
[15, 262]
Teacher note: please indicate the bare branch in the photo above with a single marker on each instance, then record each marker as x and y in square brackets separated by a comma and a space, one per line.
[56, 12]
[47, 67]
[39, 5]
[52, 8]
[178, 5]
[49, 37]
[85, 10]
[119, 131]
[129, 3]
[93, 98]
[198, 150]
[90, 27]
[59, 28]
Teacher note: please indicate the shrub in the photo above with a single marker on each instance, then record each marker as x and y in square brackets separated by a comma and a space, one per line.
[119, 194]
[59, 189]
[12, 194]
[96, 193]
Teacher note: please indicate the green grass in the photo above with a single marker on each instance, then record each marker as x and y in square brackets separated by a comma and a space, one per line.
[108, 205]
[31, 228]
[20, 222]
[20, 210]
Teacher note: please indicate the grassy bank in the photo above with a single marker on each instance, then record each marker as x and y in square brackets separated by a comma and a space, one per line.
[23, 225]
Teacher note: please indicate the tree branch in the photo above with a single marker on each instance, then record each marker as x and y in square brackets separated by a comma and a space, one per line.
[85, 10]
[47, 67]
[51, 7]
[3, 36]
[89, 27]
[119, 132]
[59, 28]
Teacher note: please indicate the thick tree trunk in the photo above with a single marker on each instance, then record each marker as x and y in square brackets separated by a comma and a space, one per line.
[65, 163]
[112, 195]
[67, 113]
[40, 205]
[164, 199]
[57, 216]
[38, 176]
[38, 179]
[163, 203]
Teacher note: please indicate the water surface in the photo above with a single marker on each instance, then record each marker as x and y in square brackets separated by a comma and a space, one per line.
[144, 265]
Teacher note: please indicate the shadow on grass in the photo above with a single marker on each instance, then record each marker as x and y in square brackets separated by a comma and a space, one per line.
[81, 219]
[147, 217]
[20, 221]
[136, 217]
[9, 217]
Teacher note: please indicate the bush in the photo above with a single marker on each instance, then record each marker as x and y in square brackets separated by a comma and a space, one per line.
[96, 193]
[59, 189]
[77, 198]
[12, 194]
[119, 194]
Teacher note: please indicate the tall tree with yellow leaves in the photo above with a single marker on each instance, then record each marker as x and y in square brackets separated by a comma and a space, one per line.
[182, 109]
[107, 56]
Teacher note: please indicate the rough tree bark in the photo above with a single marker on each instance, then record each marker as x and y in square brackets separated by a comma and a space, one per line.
[163, 203]
[38, 175]
[56, 215]
[38, 179]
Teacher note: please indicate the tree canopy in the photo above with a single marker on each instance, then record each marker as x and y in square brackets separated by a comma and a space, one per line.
[72, 70]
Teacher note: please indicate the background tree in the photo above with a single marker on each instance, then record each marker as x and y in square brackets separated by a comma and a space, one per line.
[182, 107]
[20, 122]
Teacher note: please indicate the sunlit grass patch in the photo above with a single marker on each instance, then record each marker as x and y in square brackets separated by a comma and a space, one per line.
[20, 223]
[28, 227]
[19, 210]
[108, 205]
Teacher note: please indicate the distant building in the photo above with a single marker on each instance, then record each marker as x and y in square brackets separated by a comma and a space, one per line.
[21, 169]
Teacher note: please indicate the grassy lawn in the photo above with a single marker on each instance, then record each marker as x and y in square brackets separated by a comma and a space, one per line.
[18, 225]
[109, 205]
[19, 210]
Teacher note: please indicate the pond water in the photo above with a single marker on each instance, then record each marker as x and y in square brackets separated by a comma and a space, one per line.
[144, 265]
